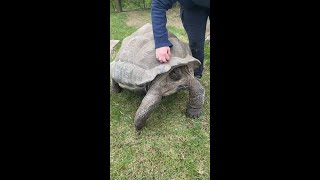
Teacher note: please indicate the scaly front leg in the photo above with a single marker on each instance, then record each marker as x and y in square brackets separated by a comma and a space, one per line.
[196, 98]
[148, 104]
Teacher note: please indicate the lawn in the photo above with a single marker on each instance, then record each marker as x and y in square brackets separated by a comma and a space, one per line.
[171, 146]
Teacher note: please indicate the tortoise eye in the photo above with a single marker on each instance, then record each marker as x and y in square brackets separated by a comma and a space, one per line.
[175, 74]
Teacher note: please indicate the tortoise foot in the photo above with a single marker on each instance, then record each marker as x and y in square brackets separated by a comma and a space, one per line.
[139, 125]
[194, 113]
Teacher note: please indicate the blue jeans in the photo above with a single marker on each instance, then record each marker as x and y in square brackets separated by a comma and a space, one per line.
[194, 21]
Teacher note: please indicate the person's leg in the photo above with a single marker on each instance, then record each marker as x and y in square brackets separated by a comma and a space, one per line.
[194, 21]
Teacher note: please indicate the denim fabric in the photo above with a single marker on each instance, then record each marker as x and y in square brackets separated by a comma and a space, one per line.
[194, 21]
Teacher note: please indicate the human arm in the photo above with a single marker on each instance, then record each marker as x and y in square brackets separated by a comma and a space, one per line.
[160, 32]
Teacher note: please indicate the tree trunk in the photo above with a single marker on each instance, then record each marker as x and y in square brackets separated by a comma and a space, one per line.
[118, 5]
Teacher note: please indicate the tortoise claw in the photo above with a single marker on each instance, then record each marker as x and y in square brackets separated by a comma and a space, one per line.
[194, 113]
[139, 125]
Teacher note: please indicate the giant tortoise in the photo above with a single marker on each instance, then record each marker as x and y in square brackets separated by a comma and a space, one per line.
[136, 68]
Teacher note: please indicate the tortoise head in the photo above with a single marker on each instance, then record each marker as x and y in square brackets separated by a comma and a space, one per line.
[176, 79]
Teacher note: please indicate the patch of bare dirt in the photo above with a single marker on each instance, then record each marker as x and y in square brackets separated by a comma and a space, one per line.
[173, 18]
[140, 18]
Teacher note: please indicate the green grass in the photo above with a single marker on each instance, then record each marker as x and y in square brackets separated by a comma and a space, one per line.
[171, 146]
[118, 28]
[180, 33]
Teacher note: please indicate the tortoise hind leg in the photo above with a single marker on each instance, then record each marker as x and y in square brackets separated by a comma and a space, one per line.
[115, 88]
[148, 104]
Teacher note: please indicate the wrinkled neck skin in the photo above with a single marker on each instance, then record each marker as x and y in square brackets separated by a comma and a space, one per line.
[169, 83]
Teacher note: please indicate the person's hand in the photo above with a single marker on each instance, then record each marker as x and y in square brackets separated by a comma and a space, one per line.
[163, 54]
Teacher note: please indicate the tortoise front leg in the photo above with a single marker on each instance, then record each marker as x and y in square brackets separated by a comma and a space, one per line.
[196, 98]
[148, 104]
